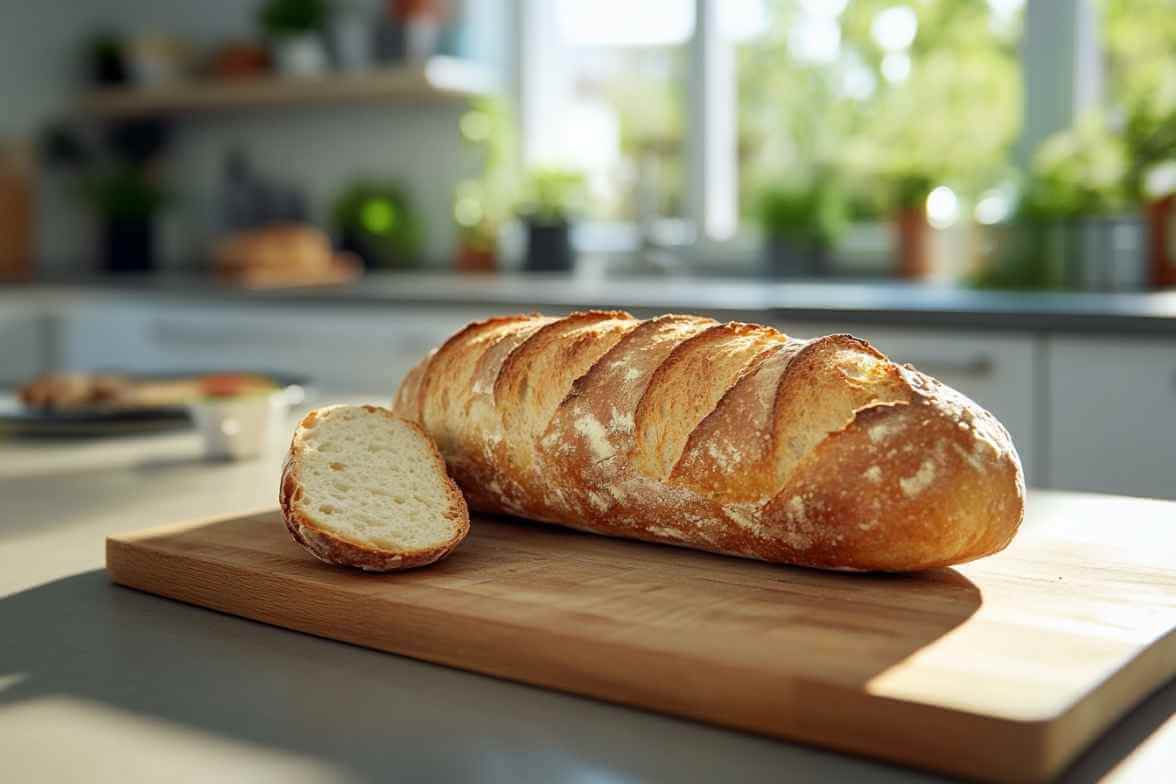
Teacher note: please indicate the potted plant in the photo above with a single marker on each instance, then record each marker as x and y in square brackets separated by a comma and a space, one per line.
[477, 226]
[553, 196]
[481, 205]
[378, 223]
[295, 32]
[107, 63]
[1073, 209]
[126, 199]
[800, 225]
[908, 197]
[352, 40]
[1150, 134]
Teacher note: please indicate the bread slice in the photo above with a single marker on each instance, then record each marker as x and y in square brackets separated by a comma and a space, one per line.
[363, 487]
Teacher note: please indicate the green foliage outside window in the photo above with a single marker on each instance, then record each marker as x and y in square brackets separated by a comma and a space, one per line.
[953, 119]
[1140, 50]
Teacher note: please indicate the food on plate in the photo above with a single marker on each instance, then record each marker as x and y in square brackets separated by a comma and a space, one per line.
[73, 391]
[220, 385]
[732, 438]
[66, 392]
[362, 487]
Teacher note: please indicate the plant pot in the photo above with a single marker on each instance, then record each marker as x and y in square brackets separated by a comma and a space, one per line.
[108, 67]
[474, 259]
[422, 35]
[1161, 219]
[390, 41]
[352, 41]
[549, 247]
[912, 235]
[788, 257]
[128, 245]
[300, 55]
[376, 252]
[1106, 254]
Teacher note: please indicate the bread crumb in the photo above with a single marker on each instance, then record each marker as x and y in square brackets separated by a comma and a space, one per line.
[873, 474]
[919, 481]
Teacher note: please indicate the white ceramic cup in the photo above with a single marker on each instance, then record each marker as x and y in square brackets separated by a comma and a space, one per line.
[240, 428]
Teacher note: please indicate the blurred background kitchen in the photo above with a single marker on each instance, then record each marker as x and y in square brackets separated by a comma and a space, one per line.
[330, 187]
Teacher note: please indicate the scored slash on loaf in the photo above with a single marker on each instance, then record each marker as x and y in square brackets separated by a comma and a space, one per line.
[733, 438]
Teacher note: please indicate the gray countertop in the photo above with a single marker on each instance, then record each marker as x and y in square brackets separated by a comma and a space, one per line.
[749, 299]
[101, 683]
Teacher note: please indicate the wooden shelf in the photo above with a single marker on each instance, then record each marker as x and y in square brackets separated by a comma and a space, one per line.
[440, 79]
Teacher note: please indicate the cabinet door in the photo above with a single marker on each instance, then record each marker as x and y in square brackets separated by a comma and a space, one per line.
[995, 370]
[24, 345]
[110, 335]
[1112, 415]
[338, 349]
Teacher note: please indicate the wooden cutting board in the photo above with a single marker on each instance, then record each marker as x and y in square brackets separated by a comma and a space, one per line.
[1003, 670]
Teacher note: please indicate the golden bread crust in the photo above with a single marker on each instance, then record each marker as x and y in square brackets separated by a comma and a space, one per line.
[732, 438]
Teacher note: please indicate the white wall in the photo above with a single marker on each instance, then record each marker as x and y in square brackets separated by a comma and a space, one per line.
[319, 149]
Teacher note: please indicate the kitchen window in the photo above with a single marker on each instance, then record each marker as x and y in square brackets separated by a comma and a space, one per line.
[681, 112]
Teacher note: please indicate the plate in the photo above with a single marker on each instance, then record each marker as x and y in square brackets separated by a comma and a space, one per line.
[16, 419]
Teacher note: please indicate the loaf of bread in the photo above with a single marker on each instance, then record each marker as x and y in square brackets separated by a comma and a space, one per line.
[732, 438]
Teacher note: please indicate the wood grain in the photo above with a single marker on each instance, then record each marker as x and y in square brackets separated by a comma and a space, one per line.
[1002, 670]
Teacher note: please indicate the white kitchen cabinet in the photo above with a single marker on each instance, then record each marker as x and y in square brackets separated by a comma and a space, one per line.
[24, 344]
[336, 348]
[1112, 415]
[995, 370]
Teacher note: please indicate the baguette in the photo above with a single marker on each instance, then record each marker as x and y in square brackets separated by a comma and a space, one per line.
[731, 438]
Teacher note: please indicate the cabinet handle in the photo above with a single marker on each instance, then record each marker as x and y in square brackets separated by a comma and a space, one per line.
[978, 366]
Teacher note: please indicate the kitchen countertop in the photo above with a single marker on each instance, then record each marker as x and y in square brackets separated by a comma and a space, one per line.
[102, 683]
[745, 298]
